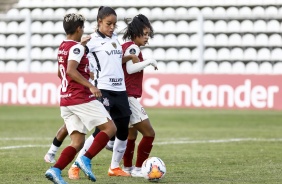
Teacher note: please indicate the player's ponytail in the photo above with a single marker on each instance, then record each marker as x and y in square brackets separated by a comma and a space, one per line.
[136, 26]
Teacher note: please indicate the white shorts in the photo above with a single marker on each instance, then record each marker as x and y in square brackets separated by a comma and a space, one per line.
[84, 116]
[138, 112]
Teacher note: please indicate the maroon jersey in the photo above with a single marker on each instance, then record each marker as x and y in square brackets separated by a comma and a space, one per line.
[73, 93]
[133, 82]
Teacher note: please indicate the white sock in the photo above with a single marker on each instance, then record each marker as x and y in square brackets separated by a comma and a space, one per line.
[86, 146]
[118, 152]
[53, 149]
[111, 143]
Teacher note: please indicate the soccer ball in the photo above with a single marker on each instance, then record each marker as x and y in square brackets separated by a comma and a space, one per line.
[153, 169]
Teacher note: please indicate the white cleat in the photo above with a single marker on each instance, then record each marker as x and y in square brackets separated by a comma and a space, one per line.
[50, 158]
[136, 172]
[127, 169]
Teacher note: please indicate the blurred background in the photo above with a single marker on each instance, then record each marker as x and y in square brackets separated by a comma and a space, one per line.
[203, 36]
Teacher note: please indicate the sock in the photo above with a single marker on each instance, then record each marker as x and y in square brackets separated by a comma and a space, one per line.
[97, 145]
[144, 150]
[66, 157]
[110, 143]
[55, 146]
[86, 146]
[129, 152]
[118, 152]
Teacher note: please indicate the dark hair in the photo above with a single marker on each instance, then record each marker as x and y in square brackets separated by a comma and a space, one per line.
[72, 21]
[136, 27]
[105, 11]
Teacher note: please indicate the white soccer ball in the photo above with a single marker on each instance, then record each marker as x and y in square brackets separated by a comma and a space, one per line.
[153, 169]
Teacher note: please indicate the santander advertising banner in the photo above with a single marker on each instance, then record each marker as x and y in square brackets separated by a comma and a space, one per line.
[160, 90]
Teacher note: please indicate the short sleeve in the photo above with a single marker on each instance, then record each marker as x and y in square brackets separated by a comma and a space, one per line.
[76, 52]
[132, 49]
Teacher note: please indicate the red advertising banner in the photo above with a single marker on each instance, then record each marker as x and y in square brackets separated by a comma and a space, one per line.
[160, 90]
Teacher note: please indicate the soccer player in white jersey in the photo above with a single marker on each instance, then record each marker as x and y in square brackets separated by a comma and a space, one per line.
[105, 54]
[79, 107]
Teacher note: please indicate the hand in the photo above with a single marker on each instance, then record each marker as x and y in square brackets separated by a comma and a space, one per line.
[95, 91]
[154, 63]
[85, 39]
[135, 59]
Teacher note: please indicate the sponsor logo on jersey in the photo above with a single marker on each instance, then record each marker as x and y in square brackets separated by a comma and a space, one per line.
[62, 52]
[106, 102]
[103, 43]
[114, 52]
[76, 51]
[114, 45]
[116, 81]
[132, 51]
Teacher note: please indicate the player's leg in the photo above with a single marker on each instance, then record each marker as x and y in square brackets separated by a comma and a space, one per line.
[129, 152]
[145, 128]
[57, 142]
[110, 144]
[73, 172]
[119, 147]
[94, 115]
[77, 133]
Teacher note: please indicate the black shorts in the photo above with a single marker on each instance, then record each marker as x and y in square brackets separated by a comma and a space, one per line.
[116, 103]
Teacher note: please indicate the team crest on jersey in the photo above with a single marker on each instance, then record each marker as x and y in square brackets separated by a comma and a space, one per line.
[114, 45]
[106, 102]
[143, 110]
[76, 51]
[132, 51]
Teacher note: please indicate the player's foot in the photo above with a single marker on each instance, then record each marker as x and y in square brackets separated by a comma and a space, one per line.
[49, 158]
[84, 164]
[110, 148]
[136, 172]
[74, 173]
[117, 172]
[127, 169]
[54, 174]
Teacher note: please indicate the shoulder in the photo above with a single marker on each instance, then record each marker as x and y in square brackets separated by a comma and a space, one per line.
[133, 49]
[77, 48]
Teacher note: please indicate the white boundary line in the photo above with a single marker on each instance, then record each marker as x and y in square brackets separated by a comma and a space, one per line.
[181, 141]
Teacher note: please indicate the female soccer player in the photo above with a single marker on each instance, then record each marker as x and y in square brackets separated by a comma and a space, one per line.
[79, 107]
[138, 31]
[105, 57]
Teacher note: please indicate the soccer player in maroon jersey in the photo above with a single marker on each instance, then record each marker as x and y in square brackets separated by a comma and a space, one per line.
[79, 107]
[138, 31]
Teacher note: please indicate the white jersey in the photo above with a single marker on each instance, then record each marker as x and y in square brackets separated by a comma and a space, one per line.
[105, 58]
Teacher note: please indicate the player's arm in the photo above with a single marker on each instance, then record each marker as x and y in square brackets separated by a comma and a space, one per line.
[131, 57]
[76, 53]
[132, 67]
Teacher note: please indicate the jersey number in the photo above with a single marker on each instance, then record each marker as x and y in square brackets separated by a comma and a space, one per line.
[64, 81]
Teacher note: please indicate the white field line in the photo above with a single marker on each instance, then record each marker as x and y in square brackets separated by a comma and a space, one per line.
[181, 141]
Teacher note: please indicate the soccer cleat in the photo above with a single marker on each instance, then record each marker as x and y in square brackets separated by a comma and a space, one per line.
[54, 174]
[84, 164]
[127, 169]
[110, 148]
[50, 158]
[117, 172]
[136, 172]
[74, 173]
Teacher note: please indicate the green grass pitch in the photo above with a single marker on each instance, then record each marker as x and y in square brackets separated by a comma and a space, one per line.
[197, 146]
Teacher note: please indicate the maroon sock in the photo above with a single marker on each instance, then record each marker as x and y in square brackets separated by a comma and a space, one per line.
[100, 141]
[129, 152]
[144, 150]
[66, 157]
